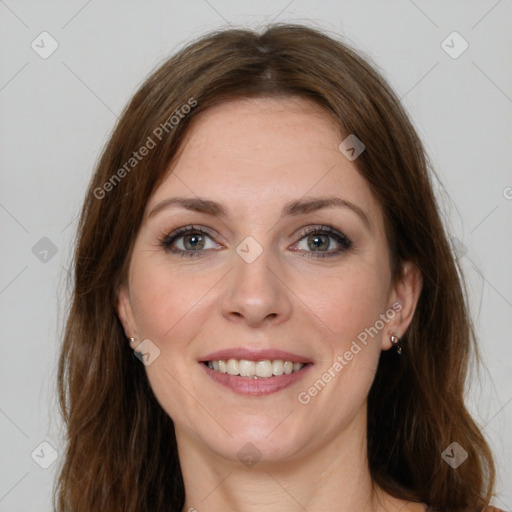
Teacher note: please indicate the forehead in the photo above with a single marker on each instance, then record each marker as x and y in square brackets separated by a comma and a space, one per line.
[263, 151]
[277, 127]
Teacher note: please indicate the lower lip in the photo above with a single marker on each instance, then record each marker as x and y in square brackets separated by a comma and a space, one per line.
[255, 387]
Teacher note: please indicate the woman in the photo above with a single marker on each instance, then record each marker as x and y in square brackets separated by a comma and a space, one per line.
[266, 312]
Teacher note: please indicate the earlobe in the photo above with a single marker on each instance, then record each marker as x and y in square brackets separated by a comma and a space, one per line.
[406, 293]
[125, 313]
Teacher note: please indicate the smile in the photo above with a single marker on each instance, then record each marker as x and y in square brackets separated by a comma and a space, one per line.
[254, 369]
[254, 373]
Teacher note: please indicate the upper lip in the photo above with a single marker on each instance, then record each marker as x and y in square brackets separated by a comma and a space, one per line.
[254, 355]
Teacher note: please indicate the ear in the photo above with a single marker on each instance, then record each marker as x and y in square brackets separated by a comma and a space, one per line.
[404, 299]
[125, 313]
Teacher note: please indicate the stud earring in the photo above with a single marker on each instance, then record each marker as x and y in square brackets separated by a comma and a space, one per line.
[395, 340]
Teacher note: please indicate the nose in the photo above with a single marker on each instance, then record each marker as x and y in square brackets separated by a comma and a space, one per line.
[256, 293]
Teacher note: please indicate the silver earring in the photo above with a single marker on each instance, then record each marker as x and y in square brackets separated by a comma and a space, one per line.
[395, 340]
[131, 340]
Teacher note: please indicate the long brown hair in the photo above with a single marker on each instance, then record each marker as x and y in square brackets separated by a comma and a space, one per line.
[121, 449]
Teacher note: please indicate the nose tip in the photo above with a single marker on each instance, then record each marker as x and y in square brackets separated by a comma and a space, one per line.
[253, 293]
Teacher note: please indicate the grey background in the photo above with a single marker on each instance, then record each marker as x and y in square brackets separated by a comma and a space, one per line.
[56, 115]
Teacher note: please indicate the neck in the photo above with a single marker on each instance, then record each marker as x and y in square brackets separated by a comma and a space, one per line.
[332, 477]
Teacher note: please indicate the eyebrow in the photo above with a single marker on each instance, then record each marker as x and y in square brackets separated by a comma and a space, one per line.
[293, 208]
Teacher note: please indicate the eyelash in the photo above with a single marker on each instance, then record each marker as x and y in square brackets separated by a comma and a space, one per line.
[345, 243]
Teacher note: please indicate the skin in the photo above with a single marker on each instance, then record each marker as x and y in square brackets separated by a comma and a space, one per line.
[253, 156]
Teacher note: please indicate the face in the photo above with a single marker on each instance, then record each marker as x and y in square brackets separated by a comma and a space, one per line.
[242, 264]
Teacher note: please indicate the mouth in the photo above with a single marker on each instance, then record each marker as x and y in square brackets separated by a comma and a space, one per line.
[250, 372]
[263, 369]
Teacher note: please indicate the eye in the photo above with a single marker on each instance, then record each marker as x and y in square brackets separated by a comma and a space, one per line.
[323, 241]
[188, 241]
[316, 242]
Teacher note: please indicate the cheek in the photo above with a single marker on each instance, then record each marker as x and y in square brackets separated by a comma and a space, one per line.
[348, 301]
[168, 300]
[350, 308]
[167, 305]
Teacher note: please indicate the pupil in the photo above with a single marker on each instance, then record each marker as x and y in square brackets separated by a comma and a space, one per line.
[194, 241]
[318, 243]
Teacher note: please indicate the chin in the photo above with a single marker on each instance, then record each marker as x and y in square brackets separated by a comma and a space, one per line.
[257, 440]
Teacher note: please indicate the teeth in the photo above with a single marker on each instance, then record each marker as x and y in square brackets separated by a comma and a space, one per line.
[277, 367]
[247, 368]
[255, 369]
[233, 367]
[263, 368]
